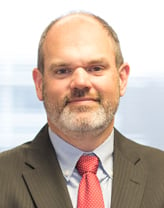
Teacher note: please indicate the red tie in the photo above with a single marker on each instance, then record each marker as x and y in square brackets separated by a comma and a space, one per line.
[89, 194]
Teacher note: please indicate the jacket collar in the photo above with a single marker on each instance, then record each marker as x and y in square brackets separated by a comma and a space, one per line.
[47, 186]
[43, 176]
[129, 174]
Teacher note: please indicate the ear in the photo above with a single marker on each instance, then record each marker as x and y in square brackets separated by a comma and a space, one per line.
[38, 81]
[124, 71]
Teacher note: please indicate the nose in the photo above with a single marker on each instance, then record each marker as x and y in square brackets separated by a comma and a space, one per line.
[80, 79]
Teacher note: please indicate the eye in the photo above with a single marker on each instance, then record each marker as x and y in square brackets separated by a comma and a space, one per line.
[96, 68]
[62, 71]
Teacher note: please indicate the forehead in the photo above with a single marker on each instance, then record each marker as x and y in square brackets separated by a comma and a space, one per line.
[75, 20]
[78, 38]
[77, 26]
[78, 19]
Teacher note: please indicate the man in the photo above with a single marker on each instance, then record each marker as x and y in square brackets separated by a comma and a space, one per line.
[80, 77]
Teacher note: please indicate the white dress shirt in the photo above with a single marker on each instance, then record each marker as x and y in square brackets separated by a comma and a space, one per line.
[68, 156]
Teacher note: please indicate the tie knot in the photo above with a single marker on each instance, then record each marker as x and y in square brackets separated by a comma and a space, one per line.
[87, 163]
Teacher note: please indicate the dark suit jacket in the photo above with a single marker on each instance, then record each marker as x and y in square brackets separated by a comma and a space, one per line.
[30, 176]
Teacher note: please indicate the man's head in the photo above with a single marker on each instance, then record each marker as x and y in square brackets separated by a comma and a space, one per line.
[81, 76]
[102, 22]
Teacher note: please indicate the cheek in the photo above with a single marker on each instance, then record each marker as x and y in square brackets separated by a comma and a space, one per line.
[55, 91]
[107, 85]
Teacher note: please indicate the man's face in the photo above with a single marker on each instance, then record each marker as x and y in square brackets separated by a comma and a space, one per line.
[80, 87]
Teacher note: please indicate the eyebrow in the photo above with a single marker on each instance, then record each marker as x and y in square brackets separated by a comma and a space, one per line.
[96, 61]
[58, 65]
[63, 64]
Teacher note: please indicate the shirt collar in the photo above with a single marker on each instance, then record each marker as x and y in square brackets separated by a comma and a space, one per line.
[68, 155]
[105, 154]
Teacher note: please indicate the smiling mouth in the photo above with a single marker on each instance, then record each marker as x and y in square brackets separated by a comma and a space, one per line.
[83, 101]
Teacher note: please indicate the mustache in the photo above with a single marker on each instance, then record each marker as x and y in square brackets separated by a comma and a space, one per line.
[78, 92]
[81, 93]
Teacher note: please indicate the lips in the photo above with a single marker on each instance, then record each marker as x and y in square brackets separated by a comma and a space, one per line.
[84, 100]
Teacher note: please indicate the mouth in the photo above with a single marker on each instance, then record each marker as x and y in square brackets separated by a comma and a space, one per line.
[83, 101]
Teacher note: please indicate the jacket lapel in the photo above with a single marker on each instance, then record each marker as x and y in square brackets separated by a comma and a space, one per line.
[46, 184]
[129, 175]
[43, 176]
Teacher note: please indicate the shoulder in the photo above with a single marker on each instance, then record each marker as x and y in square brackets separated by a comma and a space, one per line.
[31, 153]
[13, 157]
[150, 157]
[21, 152]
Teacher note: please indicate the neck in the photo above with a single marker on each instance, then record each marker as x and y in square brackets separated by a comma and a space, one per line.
[85, 141]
